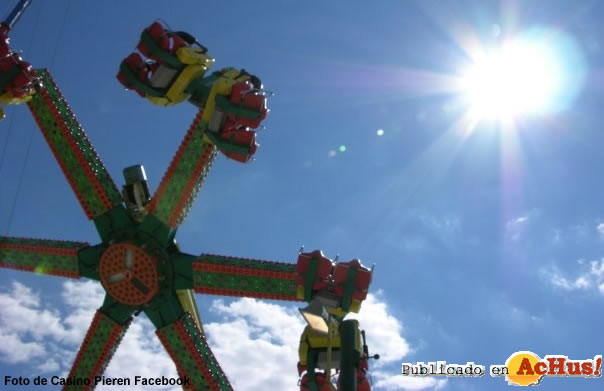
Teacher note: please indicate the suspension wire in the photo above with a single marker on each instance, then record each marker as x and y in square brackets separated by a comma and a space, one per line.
[60, 36]
[13, 207]
[8, 134]
[31, 134]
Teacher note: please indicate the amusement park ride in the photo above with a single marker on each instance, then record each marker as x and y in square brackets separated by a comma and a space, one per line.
[138, 261]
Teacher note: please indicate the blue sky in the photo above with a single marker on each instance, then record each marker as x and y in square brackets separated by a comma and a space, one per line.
[485, 242]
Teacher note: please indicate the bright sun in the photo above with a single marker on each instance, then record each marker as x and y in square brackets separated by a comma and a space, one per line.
[520, 77]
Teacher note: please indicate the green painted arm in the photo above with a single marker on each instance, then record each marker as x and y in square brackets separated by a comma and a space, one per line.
[189, 350]
[231, 276]
[101, 341]
[177, 191]
[83, 169]
[59, 258]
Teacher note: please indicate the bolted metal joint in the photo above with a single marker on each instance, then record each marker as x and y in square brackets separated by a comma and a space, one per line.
[135, 191]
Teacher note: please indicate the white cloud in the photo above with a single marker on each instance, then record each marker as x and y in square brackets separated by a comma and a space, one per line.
[560, 281]
[14, 350]
[21, 337]
[83, 298]
[582, 282]
[256, 342]
[37, 335]
[517, 220]
[600, 228]
[82, 294]
[515, 227]
[503, 311]
[384, 337]
[49, 366]
[267, 337]
[140, 354]
[592, 277]
[383, 330]
[398, 382]
[597, 269]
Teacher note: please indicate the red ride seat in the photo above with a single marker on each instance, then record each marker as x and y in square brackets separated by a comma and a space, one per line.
[246, 96]
[242, 137]
[320, 379]
[323, 271]
[9, 62]
[4, 46]
[362, 382]
[23, 81]
[141, 70]
[361, 281]
[165, 39]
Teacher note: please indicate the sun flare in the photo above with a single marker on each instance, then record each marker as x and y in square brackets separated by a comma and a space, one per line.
[517, 78]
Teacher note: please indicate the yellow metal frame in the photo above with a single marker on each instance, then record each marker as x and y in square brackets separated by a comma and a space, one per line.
[197, 64]
[8, 99]
[187, 300]
[311, 340]
[355, 305]
[318, 340]
[190, 55]
[222, 86]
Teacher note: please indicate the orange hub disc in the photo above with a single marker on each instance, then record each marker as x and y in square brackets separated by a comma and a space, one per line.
[129, 274]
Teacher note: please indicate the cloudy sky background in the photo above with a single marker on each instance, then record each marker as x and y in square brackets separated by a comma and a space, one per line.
[485, 243]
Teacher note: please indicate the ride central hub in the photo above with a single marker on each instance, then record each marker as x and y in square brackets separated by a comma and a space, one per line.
[129, 274]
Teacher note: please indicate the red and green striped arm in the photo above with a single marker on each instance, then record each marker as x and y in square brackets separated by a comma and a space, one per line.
[230, 276]
[83, 169]
[184, 177]
[101, 341]
[59, 258]
[189, 350]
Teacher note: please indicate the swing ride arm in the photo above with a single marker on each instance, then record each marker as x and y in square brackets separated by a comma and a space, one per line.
[211, 131]
[180, 184]
[194, 360]
[231, 103]
[243, 277]
[54, 257]
[106, 331]
[78, 160]
[342, 285]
